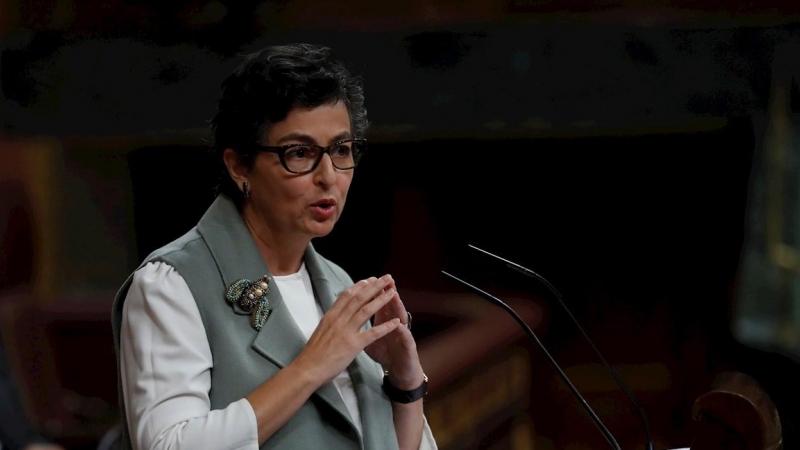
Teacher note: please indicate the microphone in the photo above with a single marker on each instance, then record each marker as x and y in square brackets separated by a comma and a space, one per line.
[529, 273]
[607, 434]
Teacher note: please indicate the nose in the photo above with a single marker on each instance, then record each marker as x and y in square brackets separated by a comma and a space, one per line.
[325, 173]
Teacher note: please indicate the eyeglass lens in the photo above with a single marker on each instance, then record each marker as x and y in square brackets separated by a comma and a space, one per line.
[344, 155]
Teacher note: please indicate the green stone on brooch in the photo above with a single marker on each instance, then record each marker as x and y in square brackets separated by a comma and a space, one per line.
[251, 296]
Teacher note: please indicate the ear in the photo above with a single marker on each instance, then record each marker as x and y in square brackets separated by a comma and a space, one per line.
[236, 169]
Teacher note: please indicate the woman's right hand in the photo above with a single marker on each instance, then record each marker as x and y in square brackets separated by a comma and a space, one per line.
[339, 338]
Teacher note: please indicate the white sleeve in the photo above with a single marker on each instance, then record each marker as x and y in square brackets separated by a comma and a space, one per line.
[428, 442]
[165, 363]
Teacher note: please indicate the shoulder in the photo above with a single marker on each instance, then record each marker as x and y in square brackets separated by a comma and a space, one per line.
[189, 255]
[155, 273]
[181, 245]
[160, 265]
[156, 293]
[158, 285]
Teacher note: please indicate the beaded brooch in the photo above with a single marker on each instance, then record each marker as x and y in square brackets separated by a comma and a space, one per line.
[248, 294]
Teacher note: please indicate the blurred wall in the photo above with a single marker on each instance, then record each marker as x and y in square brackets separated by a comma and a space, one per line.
[105, 104]
[99, 91]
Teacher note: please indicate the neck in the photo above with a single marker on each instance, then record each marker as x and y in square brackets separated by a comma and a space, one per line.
[282, 255]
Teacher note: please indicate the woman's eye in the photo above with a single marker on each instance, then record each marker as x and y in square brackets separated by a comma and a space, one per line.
[341, 150]
[300, 152]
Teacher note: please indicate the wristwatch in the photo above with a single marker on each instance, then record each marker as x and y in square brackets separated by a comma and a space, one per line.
[401, 396]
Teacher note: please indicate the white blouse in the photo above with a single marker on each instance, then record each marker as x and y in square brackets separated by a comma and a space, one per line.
[307, 312]
[166, 360]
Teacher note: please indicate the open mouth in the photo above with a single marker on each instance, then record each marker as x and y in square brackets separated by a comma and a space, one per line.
[324, 204]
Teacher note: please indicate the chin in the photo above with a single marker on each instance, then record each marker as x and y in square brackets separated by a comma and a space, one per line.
[320, 231]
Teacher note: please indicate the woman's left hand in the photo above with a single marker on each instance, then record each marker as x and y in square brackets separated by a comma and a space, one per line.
[397, 351]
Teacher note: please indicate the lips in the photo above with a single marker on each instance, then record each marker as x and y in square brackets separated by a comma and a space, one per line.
[324, 204]
[324, 210]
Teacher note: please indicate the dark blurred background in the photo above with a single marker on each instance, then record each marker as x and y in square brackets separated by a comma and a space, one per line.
[641, 155]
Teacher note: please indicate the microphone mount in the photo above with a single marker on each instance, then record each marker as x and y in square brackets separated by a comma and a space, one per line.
[603, 429]
[529, 273]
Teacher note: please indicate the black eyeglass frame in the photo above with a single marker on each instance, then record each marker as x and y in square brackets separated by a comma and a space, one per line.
[282, 149]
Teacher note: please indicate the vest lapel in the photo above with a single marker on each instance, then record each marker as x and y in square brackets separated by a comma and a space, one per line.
[364, 372]
[367, 381]
[237, 256]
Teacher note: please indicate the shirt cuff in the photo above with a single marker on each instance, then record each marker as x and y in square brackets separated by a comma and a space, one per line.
[249, 430]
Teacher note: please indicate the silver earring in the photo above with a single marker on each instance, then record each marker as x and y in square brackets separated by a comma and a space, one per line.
[246, 189]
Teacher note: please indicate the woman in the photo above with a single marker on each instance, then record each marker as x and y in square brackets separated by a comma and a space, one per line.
[238, 334]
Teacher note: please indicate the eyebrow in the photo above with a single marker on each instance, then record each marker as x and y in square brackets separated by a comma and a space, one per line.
[306, 139]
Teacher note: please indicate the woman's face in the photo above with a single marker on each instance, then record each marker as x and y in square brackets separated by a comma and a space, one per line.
[302, 206]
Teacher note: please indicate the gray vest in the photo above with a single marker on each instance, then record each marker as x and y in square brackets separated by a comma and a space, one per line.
[214, 254]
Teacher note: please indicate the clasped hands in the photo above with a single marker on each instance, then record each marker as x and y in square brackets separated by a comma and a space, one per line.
[340, 335]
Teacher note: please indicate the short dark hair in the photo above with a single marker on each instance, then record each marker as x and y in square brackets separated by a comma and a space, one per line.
[265, 87]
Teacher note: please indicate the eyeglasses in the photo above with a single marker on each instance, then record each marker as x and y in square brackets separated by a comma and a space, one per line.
[304, 158]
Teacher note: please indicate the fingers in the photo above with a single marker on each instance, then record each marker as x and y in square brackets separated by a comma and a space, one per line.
[395, 308]
[372, 307]
[379, 331]
[360, 293]
[396, 352]
[367, 298]
[398, 309]
[340, 334]
[406, 338]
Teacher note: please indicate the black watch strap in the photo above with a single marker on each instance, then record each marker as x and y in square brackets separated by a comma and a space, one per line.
[401, 396]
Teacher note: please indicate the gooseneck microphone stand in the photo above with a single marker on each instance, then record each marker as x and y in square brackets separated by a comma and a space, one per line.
[527, 272]
[607, 434]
